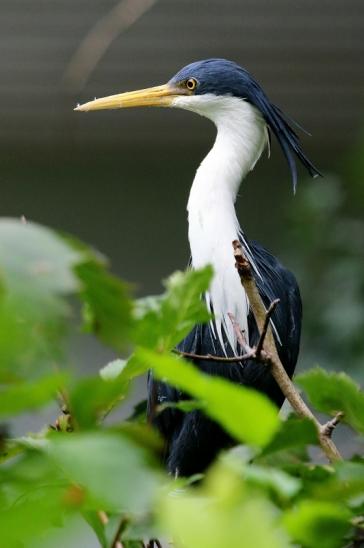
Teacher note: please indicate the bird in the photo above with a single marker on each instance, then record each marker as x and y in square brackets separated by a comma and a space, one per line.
[229, 96]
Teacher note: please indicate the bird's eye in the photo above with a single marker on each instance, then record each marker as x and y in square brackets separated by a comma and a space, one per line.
[191, 84]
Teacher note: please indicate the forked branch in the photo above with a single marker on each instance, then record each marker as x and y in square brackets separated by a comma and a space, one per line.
[269, 355]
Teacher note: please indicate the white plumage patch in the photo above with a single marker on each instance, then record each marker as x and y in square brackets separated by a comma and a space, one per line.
[213, 225]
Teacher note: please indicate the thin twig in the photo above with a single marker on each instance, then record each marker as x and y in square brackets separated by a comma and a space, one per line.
[98, 40]
[267, 318]
[328, 428]
[213, 358]
[240, 335]
[269, 353]
[116, 543]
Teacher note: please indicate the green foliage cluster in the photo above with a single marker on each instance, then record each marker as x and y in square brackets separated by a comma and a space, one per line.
[57, 484]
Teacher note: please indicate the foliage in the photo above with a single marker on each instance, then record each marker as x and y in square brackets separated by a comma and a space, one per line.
[325, 236]
[267, 492]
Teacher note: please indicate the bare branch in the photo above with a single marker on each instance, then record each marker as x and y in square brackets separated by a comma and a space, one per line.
[328, 428]
[213, 358]
[98, 40]
[116, 543]
[267, 318]
[270, 356]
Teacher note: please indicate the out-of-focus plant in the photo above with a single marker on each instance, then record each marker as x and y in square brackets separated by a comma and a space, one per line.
[326, 242]
[264, 493]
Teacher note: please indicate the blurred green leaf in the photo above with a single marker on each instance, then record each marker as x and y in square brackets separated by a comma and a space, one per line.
[31, 517]
[162, 322]
[345, 484]
[198, 521]
[92, 398]
[314, 523]
[112, 370]
[244, 413]
[293, 433]
[93, 519]
[23, 396]
[272, 479]
[184, 405]
[107, 306]
[36, 274]
[114, 472]
[36, 261]
[333, 392]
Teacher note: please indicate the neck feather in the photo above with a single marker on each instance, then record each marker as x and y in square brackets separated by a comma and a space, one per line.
[213, 225]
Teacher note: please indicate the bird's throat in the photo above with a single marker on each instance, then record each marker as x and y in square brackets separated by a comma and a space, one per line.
[213, 224]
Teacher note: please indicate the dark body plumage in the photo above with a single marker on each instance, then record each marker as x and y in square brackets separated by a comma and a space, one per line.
[192, 439]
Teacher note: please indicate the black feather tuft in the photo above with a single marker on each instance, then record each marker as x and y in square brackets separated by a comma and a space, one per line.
[285, 134]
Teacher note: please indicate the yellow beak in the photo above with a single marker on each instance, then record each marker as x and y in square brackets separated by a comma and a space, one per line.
[158, 96]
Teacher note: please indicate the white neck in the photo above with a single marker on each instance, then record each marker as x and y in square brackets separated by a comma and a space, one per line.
[213, 225]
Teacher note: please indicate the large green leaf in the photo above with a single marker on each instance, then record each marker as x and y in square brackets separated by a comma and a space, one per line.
[314, 523]
[224, 511]
[23, 396]
[36, 274]
[333, 392]
[92, 398]
[293, 433]
[246, 414]
[162, 322]
[35, 261]
[107, 307]
[113, 471]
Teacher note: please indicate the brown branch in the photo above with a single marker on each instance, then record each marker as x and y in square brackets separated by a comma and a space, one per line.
[213, 358]
[98, 40]
[116, 543]
[329, 426]
[264, 331]
[270, 356]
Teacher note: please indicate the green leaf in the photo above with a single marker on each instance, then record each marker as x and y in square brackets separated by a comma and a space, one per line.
[93, 519]
[314, 523]
[162, 322]
[275, 480]
[246, 414]
[184, 405]
[25, 396]
[113, 471]
[35, 258]
[107, 307]
[344, 484]
[293, 433]
[333, 392]
[198, 521]
[92, 398]
[36, 275]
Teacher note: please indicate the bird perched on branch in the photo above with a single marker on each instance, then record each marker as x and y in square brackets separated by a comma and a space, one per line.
[244, 117]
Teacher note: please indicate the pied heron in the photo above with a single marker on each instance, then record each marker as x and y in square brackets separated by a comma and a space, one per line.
[228, 95]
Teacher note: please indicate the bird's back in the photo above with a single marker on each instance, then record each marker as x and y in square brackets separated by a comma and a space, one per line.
[192, 439]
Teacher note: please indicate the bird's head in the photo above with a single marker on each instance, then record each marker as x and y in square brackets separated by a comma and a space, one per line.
[204, 87]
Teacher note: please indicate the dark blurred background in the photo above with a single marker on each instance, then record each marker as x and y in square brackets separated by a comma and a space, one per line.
[120, 180]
